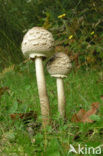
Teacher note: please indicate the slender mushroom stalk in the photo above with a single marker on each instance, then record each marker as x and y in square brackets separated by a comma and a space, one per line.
[59, 66]
[61, 96]
[37, 44]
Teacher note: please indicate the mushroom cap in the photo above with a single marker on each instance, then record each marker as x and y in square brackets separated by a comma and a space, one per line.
[59, 65]
[37, 42]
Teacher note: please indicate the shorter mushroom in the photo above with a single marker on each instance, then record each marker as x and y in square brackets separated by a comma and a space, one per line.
[59, 66]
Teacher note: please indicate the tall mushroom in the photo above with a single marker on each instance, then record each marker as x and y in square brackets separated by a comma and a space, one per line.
[37, 44]
[59, 66]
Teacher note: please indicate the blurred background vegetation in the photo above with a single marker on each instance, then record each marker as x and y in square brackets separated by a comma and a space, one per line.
[77, 26]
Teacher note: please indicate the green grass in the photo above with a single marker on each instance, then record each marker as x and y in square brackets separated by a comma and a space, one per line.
[82, 88]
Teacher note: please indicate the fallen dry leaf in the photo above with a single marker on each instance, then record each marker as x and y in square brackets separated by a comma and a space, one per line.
[83, 116]
[15, 116]
[77, 117]
[24, 116]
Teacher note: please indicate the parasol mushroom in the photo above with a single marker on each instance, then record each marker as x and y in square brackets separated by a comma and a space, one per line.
[59, 66]
[37, 44]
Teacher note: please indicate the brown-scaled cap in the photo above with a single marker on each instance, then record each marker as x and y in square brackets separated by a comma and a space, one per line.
[38, 42]
[59, 65]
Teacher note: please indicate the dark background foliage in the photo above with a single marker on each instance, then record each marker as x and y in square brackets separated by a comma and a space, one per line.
[79, 33]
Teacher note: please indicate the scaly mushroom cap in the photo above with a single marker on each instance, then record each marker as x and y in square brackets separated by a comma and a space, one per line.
[59, 65]
[37, 42]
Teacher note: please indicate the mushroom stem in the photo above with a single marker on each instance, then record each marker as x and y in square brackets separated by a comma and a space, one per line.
[44, 101]
[61, 97]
